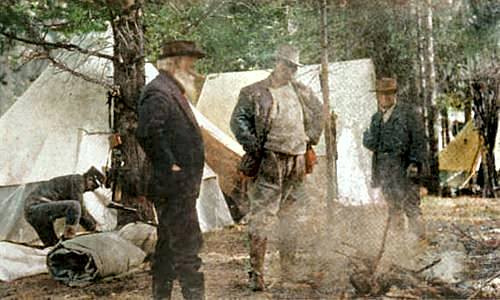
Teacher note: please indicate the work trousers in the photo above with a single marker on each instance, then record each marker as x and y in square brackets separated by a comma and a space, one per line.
[400, 193]
[42, 216]
[279, 184]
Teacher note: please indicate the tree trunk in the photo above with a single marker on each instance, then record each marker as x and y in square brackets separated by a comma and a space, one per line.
[445, 128]
[128, 158]
[430, 100]
[329, 125]
[485, 94]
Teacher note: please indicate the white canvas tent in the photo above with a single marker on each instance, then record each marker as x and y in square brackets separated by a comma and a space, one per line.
[57, 127]
[351, 99]
[60, 126]
[462, 157]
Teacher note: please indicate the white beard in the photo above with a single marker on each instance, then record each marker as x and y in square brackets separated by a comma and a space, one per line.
[188, 81]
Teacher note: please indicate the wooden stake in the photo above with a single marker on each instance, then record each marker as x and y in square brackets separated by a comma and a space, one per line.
[325, 90]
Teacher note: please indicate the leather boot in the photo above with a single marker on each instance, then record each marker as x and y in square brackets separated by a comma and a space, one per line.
[163, 290]
[193, 287]
[257, 255]
[69, 232]
[287, 250]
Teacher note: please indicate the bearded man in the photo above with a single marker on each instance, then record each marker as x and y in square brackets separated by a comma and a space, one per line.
[171, 138]
[276, 120]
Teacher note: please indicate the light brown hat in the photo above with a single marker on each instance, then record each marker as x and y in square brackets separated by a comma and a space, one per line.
[288, 53]
[386, 84]
[180, 48]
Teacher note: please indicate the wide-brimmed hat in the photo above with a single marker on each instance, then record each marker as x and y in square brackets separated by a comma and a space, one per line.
[180, 48]
[288, 53]
[386, 84]
[95, 175]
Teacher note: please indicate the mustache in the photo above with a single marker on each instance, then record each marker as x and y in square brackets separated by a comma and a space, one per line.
[196, 75]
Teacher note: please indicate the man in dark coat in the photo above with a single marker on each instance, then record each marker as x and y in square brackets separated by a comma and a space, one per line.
[278, 119]
[172, 141]
[397, 139]
[61, 197]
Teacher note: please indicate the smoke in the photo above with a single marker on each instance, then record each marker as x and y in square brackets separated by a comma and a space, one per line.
[331, 247]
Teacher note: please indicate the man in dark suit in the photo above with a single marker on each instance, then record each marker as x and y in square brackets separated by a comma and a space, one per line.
[171, 138]
[397, 139]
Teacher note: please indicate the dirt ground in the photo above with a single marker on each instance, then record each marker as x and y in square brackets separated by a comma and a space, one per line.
[225, 259]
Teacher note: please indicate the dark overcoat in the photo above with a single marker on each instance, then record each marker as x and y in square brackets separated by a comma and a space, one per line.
[396, 144]
[169, 134]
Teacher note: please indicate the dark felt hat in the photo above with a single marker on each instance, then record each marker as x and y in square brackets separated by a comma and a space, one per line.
[180, 48]
[386, 84]
[96, 175]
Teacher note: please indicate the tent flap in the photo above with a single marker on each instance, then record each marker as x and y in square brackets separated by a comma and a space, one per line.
[461, 154]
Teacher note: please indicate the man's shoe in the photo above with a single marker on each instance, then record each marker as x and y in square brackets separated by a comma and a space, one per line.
[69, 232]
[163, 290]
[193, 286]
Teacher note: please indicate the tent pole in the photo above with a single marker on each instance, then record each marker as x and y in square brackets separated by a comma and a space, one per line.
[329, 125]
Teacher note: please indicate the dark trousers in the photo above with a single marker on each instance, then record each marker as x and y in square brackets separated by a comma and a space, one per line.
[401, 194]
[179, 242]
[42, 216]
[403, 199]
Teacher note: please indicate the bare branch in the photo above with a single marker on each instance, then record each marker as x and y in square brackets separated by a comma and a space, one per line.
[55, 25]
[470, 237]
[382, 247]
[60, 65]
[209, 12]
[66, 46]
[432, 264]
[495, 276]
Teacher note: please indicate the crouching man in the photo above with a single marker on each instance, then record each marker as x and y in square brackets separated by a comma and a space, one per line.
[61, 197]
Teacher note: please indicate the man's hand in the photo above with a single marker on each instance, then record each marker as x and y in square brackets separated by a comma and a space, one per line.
[412, 171]
[175, 168]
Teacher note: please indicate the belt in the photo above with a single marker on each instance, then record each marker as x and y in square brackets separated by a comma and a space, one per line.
[281, 155]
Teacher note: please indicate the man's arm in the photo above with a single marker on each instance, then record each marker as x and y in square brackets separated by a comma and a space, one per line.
[243, 123]
[151, 130]
[418, 154]
[418, 147]
[372, 135]
[86, 220]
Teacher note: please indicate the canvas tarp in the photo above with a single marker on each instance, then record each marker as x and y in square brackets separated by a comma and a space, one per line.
[86, 258]
[351, 99]
[141, 235]
[17, 261]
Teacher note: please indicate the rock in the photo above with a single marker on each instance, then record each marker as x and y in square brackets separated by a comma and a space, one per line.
[450, 269]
